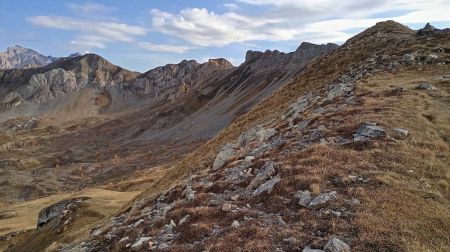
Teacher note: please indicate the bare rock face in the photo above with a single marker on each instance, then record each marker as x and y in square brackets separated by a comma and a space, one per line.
[57, 79]
[294, 60]
[19, 57]
[174, 80]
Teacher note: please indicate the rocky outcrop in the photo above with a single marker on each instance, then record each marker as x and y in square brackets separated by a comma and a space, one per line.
[19, 57]
[58, 79]
[174, 80]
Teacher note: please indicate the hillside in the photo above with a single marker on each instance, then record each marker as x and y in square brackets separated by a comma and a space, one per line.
[82, 121]
[351, 155]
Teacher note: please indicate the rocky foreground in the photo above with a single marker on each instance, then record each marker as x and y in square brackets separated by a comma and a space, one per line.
[351, 156]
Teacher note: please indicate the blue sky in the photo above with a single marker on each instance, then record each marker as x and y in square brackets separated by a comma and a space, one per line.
[142, 34]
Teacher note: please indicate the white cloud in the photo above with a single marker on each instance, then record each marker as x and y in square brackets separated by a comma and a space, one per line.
[165, 47]
[91, 8]
[231, 6]
[93, 34]
[317, 21]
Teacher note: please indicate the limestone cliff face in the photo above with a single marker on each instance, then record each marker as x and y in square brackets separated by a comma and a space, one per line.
[19, 57]
[294, 60]
[58, 79]
[173, 80]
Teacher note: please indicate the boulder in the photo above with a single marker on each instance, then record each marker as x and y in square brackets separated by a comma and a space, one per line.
[267, 186]
[339, 90]
[425, 86]
[227, 153]
[256, 134]
[323, 198]
[430, 59]
[235, 224]
[368, 131]
[266, 171]
[304, 197]
[408, 58]
[336, 245]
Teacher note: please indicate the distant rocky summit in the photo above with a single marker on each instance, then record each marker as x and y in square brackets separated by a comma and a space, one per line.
[19, 57]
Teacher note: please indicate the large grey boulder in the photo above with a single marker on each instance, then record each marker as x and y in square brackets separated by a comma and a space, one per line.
[368, 131]
[266, 171]
[267, 186]
[430, 59]
[336, 245]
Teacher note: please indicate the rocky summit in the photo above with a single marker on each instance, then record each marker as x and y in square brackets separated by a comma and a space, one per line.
[327, 148]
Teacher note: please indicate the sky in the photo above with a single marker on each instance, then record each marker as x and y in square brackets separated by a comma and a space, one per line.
[143, 34]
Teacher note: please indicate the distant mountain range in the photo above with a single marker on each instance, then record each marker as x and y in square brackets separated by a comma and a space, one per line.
[20, 57]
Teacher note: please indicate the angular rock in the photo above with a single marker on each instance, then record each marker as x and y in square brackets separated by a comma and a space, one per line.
[425, 86]
[304, 197]
[258, 134]
[226, 154]
[430, 59]
[339, 90]
[266, 171]
[140, 244]
[267, 186]
[408, 58]
[323, 198]
[369, 131]
[184, 219]
[189, 193]
[235, 224]
[336, 245]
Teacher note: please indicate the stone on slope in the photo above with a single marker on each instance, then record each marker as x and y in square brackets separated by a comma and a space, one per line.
[425, 86]
[140, 244]
[266, 171]
[339, 90]
[401, 132]
[430, 59]
[304, 197]
[267, 186]
[408, 58]
[323, 198]
[258, 134]
[336, 245]
[227, 153]
[369, 131]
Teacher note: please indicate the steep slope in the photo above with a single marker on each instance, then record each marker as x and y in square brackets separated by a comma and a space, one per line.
[223, 97]
[352, 154]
